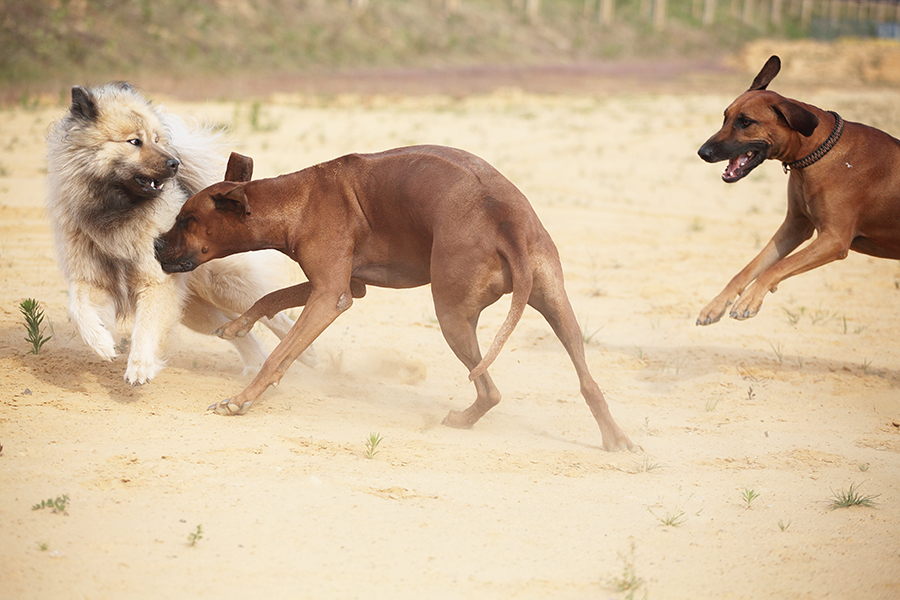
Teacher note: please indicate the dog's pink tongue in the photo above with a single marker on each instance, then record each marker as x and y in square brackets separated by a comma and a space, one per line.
[735, 165]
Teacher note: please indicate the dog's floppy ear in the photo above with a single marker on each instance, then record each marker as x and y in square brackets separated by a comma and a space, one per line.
[767, 74]
[233, 201]
[239, 169]
[83, 105]
[798, 118]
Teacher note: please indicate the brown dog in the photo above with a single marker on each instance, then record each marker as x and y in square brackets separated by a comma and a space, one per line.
[399, 219]
[844, 184]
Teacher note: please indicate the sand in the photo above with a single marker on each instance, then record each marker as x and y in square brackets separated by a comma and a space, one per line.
[796, 405]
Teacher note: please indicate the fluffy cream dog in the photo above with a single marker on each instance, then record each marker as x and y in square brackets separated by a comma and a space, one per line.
[119, 170]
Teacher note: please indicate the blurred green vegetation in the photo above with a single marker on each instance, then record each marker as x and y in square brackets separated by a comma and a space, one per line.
[42, 40]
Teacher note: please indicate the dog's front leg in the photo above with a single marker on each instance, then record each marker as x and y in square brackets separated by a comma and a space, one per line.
[319, 312]
[93, 314]
[827, 247]
[158, 309]
[794, 231]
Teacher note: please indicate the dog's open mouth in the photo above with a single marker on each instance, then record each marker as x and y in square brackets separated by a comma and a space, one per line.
[149, 186]
[739, 166]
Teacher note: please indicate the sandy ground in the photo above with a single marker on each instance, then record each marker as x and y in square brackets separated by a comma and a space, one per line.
[797, 405]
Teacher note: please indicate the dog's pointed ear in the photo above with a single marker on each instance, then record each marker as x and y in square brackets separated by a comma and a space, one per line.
[239, 169]
[84, 106]
[234, 200]
[798, 118]
[767, 74]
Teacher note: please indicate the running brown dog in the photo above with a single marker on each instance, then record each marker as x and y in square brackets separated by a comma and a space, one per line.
[844, 184]
[398, 219]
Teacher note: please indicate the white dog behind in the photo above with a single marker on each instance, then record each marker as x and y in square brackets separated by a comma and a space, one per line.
[119, 170]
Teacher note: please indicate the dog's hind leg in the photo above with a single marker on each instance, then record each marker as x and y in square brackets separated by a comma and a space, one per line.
[549, 298]
[458, 304]
[460, 335]
[93, 314]
[202, 316]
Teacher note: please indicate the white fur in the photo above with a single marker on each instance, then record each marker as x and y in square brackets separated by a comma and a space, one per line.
[104, 232]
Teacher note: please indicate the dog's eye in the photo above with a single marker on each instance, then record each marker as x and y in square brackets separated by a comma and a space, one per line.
[744, 122]
[136, 142]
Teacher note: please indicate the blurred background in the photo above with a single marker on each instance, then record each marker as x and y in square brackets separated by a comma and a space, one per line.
[227, 48]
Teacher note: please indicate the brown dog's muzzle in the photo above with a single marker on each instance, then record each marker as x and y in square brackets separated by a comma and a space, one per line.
[742, 157]
[169, 258]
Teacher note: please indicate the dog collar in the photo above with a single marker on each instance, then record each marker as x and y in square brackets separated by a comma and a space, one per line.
[821, 150]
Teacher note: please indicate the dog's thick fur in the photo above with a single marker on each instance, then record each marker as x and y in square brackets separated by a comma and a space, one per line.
[846, 191]
[399, 219]
[119, 170]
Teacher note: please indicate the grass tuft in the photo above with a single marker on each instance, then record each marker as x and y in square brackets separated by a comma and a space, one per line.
[34, 316]
[628, 581]
[645, 466]
[195, 536]
[372, 443]
[749, 496]
[851, 497]
[58, 504]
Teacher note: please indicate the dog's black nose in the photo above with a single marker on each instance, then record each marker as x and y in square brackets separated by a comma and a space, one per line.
[705, 152]
[173, 164]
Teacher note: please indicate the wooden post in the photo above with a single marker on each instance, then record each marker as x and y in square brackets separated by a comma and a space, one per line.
[607, 11]
[709, 12]
[881, 11]
[776, 12]
[659, 15]
[806, 10]
[747, 14]
[835, 10]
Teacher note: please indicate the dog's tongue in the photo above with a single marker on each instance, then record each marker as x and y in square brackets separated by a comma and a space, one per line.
[735, 166]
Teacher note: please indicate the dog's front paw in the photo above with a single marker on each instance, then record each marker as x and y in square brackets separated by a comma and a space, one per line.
[747, 305]
[141, 371]
[229, 407]
[101, 342]
[713, 311]
[240, 327]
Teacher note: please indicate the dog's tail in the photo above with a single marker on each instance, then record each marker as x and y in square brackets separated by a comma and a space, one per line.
[522, 280]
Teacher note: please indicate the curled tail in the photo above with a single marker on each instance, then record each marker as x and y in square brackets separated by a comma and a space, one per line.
[522, 280]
